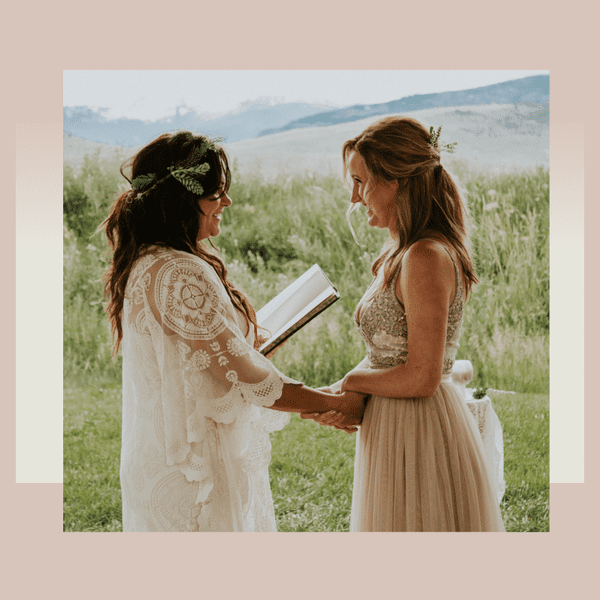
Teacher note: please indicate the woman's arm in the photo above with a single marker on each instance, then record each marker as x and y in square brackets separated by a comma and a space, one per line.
[199, 343]
[336, 388]
[302, 399]
[426, 285]
[338, 417]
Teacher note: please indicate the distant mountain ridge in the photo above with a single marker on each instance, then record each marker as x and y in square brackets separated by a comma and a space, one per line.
[496, 136]
[528, 90]
[86, 123]
[258, 118]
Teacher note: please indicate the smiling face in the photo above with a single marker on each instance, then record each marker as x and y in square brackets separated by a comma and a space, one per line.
[379, 198]
[212, 208]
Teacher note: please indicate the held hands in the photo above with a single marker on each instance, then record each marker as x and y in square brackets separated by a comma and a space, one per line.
[335, 419]
[347, 417]
[334, 388]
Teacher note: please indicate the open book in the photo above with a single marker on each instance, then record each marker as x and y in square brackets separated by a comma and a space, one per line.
[295, 306]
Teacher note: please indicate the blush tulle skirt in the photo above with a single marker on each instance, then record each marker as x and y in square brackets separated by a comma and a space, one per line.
[420, 466]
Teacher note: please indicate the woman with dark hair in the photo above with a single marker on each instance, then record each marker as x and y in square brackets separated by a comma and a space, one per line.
[195, 437]
[419, 462]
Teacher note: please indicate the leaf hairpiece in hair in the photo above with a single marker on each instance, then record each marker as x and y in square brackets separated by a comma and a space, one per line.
[187, 177]
[139, 183]
[434, 142]
[209, 144]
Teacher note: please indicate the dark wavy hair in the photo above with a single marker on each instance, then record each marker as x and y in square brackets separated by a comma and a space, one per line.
[165, 214]
[398, 148]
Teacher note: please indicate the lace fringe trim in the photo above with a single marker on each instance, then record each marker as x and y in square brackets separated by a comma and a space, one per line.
[194, 458]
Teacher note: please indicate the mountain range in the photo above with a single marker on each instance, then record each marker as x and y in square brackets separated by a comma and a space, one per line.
[247, 122]
[261, 118]
[498, 136]
[534, 89]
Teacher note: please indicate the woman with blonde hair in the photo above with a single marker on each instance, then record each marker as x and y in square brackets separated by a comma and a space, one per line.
[195, 437]
[419, 462]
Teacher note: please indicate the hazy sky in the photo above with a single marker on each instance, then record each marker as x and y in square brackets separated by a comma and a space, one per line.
[151, 95]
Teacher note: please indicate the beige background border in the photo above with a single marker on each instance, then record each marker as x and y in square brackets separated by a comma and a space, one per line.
[40, 43]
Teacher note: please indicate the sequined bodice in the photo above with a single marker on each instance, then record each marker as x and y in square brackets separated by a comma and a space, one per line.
[382, 324]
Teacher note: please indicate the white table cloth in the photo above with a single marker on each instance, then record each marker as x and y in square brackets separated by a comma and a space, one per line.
[488, 423]
[491, 434]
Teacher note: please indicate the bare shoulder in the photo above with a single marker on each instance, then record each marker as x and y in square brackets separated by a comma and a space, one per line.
[428, 255]
[426, 268]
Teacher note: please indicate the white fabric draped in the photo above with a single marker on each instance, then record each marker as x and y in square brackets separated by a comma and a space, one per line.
[195, 438]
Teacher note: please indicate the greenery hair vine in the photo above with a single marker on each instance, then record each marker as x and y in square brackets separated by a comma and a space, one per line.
[187, 176]
[139, 183]
[434, 141]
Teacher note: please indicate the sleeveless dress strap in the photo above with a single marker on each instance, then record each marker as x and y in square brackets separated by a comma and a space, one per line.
[457, 278]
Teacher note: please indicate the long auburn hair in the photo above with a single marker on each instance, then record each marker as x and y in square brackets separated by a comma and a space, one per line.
[398, 148]
[167, 215]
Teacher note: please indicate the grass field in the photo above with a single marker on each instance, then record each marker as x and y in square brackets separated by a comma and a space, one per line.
[311, 468]
[271, 234]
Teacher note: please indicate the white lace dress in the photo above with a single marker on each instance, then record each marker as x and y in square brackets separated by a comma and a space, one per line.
[195, 438]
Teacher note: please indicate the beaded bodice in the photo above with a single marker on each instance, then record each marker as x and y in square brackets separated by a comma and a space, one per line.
[381, 322]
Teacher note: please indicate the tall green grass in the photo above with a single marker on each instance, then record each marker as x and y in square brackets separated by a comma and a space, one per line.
[505, 333]
[276, 230]
[271, 234]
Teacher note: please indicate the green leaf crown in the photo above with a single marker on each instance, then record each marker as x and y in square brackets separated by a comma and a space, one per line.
[186, 175]
[434, 141]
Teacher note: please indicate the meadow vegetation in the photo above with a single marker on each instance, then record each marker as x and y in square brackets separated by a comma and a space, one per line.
[272, 233]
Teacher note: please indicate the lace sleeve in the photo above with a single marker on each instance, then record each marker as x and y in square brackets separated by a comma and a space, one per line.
[194, 380]
[208, 368]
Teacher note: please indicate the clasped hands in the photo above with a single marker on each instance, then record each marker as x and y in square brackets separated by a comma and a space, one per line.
[346, 418]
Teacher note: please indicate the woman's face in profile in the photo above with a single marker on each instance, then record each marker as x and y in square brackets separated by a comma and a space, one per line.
[379, 198]
[212, 209]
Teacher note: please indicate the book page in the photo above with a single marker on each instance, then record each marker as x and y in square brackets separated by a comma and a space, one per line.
[283, 308]
[295, 306]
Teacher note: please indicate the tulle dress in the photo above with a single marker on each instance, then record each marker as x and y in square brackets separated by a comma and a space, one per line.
[419, 462]
[195, 436]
